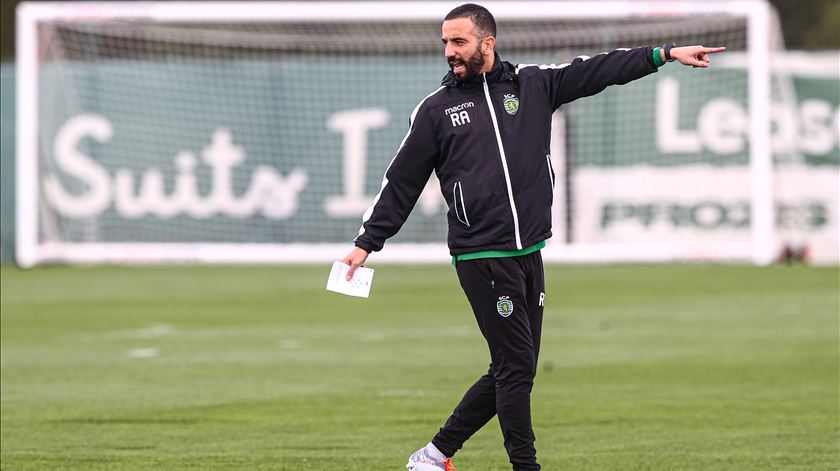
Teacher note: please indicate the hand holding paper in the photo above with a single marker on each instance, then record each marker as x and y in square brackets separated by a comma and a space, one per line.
[358, 286]
[356, 258]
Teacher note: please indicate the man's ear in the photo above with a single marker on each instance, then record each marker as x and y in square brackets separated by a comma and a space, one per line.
[488, 45]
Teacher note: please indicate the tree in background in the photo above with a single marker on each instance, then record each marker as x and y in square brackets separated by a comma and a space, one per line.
[812, 25]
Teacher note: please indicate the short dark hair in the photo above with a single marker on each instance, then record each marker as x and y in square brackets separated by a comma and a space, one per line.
[480, 16]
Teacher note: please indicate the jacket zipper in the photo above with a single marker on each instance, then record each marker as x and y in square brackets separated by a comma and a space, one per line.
[504, 163]
[457, 191]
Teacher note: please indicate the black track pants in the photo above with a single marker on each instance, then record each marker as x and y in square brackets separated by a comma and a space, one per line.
[506, 295]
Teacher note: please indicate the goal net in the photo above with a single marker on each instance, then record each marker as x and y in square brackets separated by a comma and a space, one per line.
[259, 132]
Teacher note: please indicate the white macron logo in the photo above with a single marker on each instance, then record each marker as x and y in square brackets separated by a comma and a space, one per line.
[458, 114]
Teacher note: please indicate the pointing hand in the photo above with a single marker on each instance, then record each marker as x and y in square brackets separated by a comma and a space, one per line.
[697, 56]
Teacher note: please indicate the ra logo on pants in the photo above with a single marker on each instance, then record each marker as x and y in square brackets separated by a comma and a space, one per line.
[504, 306]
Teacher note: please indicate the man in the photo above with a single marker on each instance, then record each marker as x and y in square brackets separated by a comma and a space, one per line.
[485, 133]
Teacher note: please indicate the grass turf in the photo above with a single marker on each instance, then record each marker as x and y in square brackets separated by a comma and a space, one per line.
[642, 368]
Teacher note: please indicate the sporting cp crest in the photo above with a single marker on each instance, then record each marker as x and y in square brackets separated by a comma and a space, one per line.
[511, 104]
[504, 306]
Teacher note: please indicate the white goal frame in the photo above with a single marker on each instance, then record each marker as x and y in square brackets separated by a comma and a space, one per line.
[29, 252]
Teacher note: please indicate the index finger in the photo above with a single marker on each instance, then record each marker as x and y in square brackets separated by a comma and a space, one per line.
[714, 49]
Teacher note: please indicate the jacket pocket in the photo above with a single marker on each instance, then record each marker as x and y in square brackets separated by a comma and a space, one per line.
[460, 206]
[550, 179]
[550, 170]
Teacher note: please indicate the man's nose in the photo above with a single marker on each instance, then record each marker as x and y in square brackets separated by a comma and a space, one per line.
[449, 52]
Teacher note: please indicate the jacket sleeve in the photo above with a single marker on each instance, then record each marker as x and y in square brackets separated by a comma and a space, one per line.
[404, 180]
[586, 76]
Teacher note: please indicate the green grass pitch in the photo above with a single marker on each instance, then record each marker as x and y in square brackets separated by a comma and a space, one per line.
[643, 368]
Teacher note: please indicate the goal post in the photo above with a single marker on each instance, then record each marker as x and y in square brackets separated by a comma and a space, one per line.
[257, 132]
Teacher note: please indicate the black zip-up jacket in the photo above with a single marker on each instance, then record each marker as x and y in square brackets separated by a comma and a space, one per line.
[493, 162]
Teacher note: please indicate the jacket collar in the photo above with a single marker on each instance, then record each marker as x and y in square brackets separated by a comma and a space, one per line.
[502, 71]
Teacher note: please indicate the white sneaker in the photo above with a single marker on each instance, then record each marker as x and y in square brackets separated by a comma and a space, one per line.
[429, 458]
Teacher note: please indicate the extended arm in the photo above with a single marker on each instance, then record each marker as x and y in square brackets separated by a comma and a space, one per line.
[586, 76]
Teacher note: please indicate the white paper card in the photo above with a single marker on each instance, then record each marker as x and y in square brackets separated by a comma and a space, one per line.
[359, 286]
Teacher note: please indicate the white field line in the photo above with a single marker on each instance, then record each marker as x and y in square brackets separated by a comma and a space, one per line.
[289, 344]
[151, 332]
[372, 336]
[402, 393]
[149, 352]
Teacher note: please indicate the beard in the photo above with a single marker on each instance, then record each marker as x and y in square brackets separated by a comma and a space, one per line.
[473, 64]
